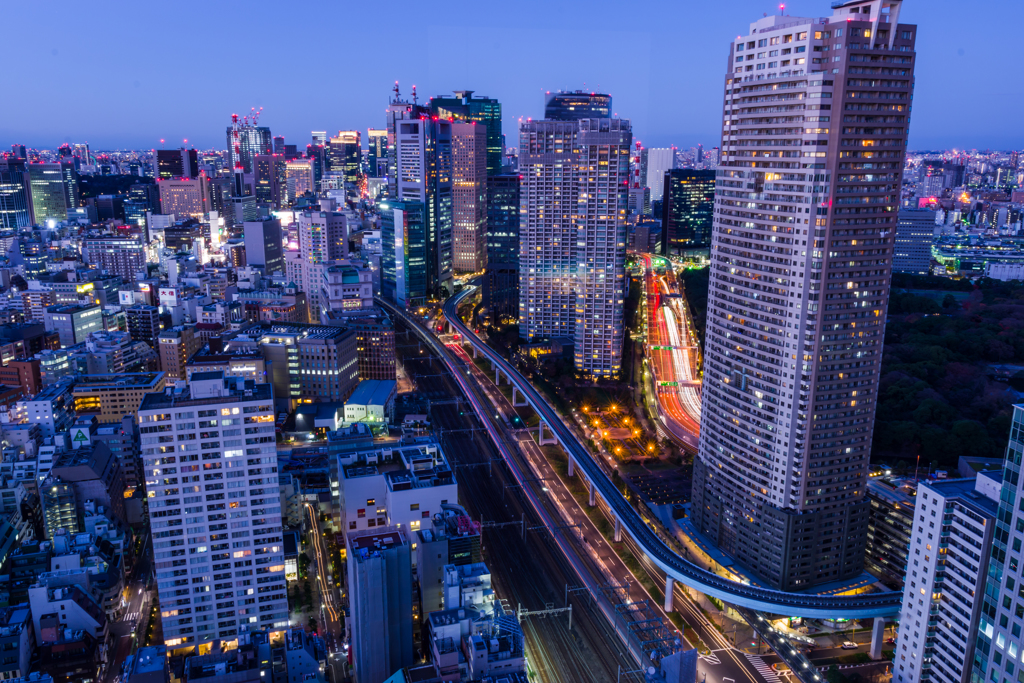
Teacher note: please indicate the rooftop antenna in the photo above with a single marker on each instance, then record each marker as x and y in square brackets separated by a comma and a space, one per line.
[395, 90]
[414, 94]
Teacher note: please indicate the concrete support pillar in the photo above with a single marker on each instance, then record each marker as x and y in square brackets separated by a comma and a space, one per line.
[543, 440]
[877, 637]
[593, 495]
[474, 353]
[517, 399]
[618, 530]
[670, 585]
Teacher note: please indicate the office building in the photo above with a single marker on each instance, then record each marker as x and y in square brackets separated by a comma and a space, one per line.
[185, 197]
[54, 190]
[264, 245]
[573, 197]
[660, 160]
[23, 373]
[954, 522]
[298, 179]
[420, 170]
[377, 155]
[915, 231]
[688, 205]
[314, 362]
[74, 323]
[576, 105]
[345, 155]
[485, 111]
[469, 196]
[890, 523]
[501, 275]
[405, 274]
[252, 140]
[271, 179]
[111, 397]
[93, 475]
[122, 256]
[323, 237]
[144, 323]
[791, 364]
[176, 163]
[380, 602]
[175, 346]
[346, 287]
[246, 575]
[15, 195]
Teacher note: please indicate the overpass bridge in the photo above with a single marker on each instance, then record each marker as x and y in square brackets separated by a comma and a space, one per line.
[553, 429]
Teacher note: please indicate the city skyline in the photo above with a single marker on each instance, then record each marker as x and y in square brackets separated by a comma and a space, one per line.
[665, 103]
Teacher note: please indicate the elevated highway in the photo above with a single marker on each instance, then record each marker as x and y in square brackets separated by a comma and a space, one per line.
[552, 428]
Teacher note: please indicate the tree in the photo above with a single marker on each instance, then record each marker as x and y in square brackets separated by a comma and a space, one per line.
[834, 675]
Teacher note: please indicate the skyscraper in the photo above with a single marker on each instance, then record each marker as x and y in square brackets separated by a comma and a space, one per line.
[185, 197]
[469, 196]
[231, 588]
[377, 156]
[659, 161]
[420, 170]
[574, 197]
[15, 198]
[176, 163]
[54, 190]
[915, 231]
[501, 276]
[799, 286]
[323, 237]
[482, 110]
[298, 179]
[688, 204]
[270, 178]
[403, 261]
[576, 105]
[344, 154]
[264, 246]
[252, 140]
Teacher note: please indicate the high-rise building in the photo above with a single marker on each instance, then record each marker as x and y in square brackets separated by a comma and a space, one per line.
[252, 141]
[954, 521]
[485, 111]
[185, 197]
[298, 179]
[264, 245]
[688, 204]
[15, 195]
[345, 155]
[270, 179]
[143, 323]
[403, 261]
[278, 144]
[792, 362]
[54, 188]
[323, 237]
[573, 198]
[124, 256]
[380, 587]
[240, 584]
[469, 196]
[377, 155]
[660, 160]
[73, 323]
[575, 105]
[501, 276]
[915, 232]
[420, 170]
[175, 347]
[176, 163]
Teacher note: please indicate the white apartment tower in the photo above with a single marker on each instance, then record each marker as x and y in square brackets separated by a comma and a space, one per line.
[323, 237]
[215, 509]
[574, 197]
[947, 564]
[816, 113]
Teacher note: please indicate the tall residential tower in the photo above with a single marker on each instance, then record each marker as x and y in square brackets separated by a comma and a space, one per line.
[813, 143]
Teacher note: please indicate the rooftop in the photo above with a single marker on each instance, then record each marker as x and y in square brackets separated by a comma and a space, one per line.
[234, 390]
[367, 543]
[124, 380]
[373, 392]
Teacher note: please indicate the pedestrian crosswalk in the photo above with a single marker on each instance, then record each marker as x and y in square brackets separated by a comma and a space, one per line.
[131, 617]
[711, 658]
[764, 669]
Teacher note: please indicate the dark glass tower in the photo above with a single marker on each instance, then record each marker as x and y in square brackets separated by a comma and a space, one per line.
[176, 163]
[15, 203]
[484, 110]
[688, 206]
[404, 253]
[576, 105]
[501, 277]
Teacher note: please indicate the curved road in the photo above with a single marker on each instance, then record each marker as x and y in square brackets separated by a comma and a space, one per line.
[674, 566]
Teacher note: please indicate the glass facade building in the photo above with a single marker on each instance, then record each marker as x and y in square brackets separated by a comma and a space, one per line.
[501, 277]
[688, 205]
[483, 110]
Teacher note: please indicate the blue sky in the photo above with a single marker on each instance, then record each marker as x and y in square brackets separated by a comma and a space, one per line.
[125, 75]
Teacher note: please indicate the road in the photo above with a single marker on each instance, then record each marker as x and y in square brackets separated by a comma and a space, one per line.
[531, 571]
[127, 632]
[648, 536]
[332, 625]
[723, 662]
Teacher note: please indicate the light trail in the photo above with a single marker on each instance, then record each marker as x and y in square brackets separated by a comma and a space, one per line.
[321, 551]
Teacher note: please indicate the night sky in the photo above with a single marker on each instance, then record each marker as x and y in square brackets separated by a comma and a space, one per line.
[124, 75]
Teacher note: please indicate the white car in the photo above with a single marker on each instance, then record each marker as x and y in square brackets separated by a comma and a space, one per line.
[849, 645]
